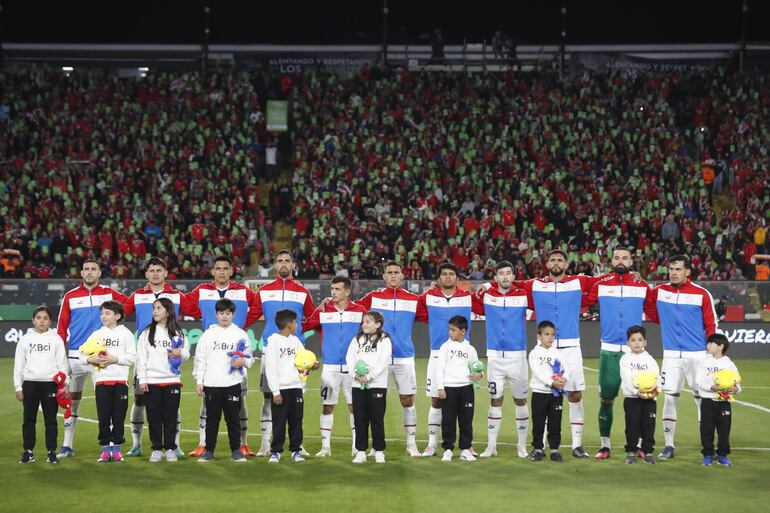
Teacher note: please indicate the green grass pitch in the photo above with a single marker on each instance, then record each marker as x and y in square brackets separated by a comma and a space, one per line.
[403, 484]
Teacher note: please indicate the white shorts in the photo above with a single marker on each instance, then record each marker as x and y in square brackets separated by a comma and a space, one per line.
[405, 377]
[572, 359]
[331, 383]
[515, 370]
[675, 371]
[431, 390]
[78, 372]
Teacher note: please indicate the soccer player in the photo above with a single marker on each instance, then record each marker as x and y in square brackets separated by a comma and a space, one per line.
[339, 321]
[202, 302]
[109, 373]
[79, 316]
[40, 355]
[140, 301]
[505, 308]
[438, 305]
[557, 298]
[219, 378]
[621, 299]
[686, 315]
[160, 384]
[399, 307]
[283, 293]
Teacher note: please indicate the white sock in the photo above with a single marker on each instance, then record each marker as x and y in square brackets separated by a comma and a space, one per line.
[69, 424]
[244, 420]
[410, 425]
[434, 426]
[266, 423]
[202, 425]
[327, 421]
[605, 442]
[522, 425]
[353, 428]
[669, 418]
[137, 421]
[178, 427]
[576, 421]
[697, 407]
[494, 418]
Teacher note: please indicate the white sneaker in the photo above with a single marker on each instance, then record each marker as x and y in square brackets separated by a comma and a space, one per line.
[297, 457]
[275, 457]
[447, 455]
[156, 456]
[324, 452]
[353, 450]
[360, 457]
[489, 452]
[303, 452]
[264, 451]
[473, 451]
[467, 455]
[522, 452]
[412, 451]
[371, 453]
[429, 451]
[379, 457]
[171, 455]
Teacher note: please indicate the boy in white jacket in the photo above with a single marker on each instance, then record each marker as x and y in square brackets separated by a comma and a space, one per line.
[40, 355]
[158, 380]
[547, 393]
[284, 383]
[453, 381]
[716, 412]
[219, 376]
[373, 347]
[641, 407]
[109, 373]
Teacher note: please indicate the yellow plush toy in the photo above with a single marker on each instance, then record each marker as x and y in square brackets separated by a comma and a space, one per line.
[647, 384]
[726, 379]
[93, 346]
[304, 362]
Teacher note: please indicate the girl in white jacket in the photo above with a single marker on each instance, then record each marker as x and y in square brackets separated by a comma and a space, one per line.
[157, 379]
[40, 355]
[373, 348]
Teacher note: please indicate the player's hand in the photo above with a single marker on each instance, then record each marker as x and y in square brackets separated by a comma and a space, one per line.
[237, 363]
[316, 365]
[732, 390]
[94, 359]
[144, 387]
[476, 376]
[715, 388]
[20, 395]
[175, 353]
[442, 394]
[277, 399]
[325, 302]
[362, 379]
[200, 389]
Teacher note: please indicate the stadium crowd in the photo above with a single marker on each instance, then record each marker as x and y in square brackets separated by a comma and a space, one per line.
[424, 167]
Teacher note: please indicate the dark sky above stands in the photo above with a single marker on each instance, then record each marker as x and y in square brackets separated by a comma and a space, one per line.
[360, 21]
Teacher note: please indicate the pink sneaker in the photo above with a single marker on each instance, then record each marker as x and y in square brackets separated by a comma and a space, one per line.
[116, 456]
[104, 457]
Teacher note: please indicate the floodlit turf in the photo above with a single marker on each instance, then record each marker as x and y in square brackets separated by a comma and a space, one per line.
[403, 484]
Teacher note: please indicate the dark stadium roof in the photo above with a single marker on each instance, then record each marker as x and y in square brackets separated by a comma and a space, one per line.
[360, 21]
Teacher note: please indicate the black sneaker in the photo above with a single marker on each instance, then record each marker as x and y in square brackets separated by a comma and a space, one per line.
[579, 452]
[649, 459]
[556, 456]
[52, 457]
[630, 458]
[27, 457]
[536, 455]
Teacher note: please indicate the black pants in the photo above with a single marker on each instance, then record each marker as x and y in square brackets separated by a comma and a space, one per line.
[219, 399]
[43, 394]
[457, 409]
[546, 406]
[111, 407]
[162, 412]
[292, 410]
[369, 410]
[640, 422]
[715, 414]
